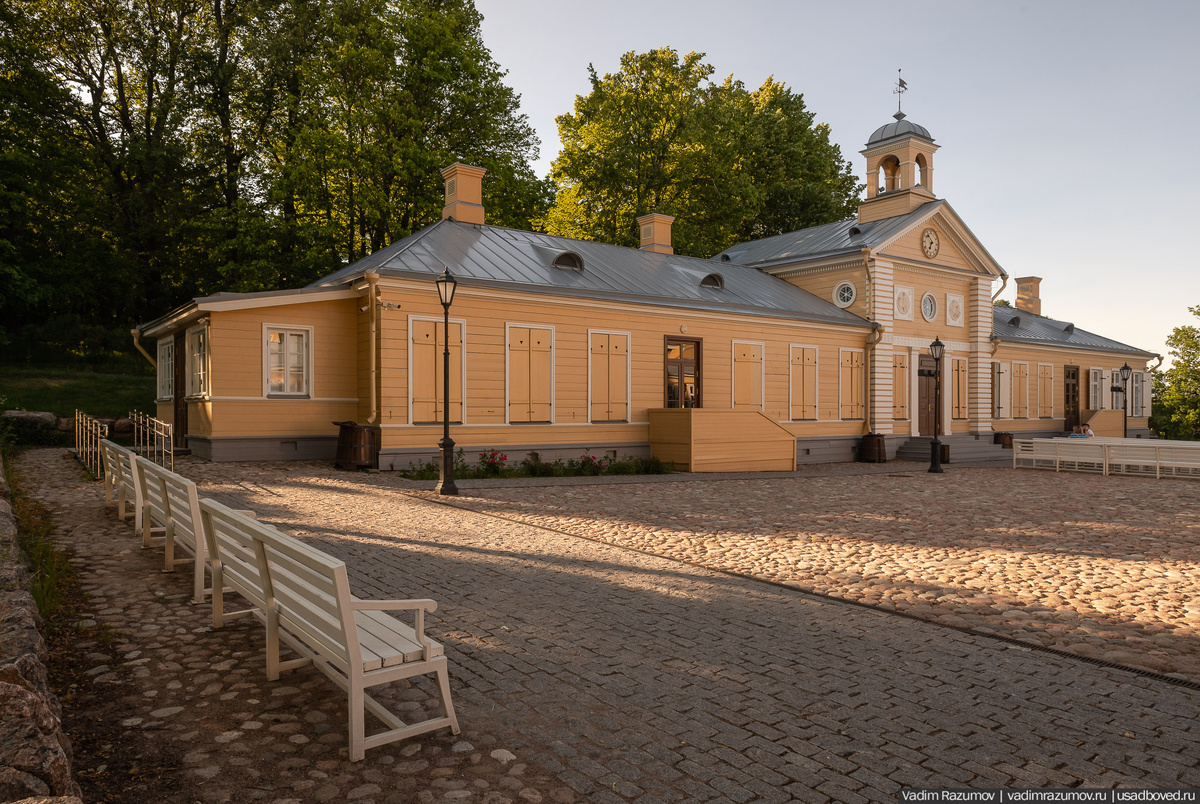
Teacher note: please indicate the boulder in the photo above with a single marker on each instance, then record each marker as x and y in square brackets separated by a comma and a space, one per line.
[35, 755]
[33, 417]
[122, 426]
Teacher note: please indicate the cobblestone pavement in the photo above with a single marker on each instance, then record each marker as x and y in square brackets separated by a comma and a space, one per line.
[610, 674]
[1103, 567]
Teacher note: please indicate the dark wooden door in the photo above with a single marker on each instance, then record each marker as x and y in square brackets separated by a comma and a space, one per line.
[1071, 396]
[926, 393]
[181, 419]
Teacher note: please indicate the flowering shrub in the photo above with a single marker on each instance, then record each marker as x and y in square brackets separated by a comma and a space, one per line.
[492, 462]
[592, 465]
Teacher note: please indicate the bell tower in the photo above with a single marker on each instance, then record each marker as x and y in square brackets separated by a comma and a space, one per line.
[899, 170]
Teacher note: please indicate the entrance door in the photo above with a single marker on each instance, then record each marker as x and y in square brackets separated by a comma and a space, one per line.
[682, 373]
[926, 395]
[1071, 396]
[180, 424]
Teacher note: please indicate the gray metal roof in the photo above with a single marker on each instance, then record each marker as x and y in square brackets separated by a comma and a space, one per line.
[901, 128]
[1018, 326]
[500, 257]
[842, 237]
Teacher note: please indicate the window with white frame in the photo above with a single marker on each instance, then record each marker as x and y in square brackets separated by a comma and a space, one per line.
[287, 361]
[1136, 394]
[1095, 389]
[166, 368]
[197, 361]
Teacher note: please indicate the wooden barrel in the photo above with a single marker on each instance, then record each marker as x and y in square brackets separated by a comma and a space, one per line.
[357, 447]
[872, 449]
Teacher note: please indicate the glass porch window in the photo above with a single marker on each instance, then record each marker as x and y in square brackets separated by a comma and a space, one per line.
[682, 367]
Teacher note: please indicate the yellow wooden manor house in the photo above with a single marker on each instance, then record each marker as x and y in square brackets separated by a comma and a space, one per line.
[774, 352]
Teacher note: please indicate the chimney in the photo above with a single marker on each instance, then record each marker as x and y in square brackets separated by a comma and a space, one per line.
[1029, 296]
[656, 233]
[464, 193]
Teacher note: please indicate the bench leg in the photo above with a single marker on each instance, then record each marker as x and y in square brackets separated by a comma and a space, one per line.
[443, 677]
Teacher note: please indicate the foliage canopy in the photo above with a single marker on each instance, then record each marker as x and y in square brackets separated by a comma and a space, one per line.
[1176, 411]
[152, 152]
[730, 164]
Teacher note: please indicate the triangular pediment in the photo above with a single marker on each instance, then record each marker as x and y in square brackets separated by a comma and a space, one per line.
[957, 246]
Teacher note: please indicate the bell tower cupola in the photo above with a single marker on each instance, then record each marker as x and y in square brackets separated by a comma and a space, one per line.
[899, 169]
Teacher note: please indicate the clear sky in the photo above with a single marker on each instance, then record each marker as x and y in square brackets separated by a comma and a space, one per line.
[1067, 129]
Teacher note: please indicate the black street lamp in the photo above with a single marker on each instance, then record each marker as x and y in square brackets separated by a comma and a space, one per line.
[446, 285]
[936, 349]
[1123, 388]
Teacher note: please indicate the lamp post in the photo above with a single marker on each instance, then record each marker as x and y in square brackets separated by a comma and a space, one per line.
[936, 349]
[446, 285]
[1126, 373]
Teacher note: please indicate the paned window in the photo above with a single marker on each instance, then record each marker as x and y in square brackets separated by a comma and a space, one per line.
[681, 374]
[609, 377]
[287, 361]
[197, 361]
[166, 368]
[1137, 385]
[428, 379]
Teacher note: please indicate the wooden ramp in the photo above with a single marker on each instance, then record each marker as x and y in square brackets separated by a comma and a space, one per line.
[701, 440]
[1108, 423]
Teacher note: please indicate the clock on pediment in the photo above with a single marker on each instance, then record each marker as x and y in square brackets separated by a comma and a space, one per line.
[930, 243]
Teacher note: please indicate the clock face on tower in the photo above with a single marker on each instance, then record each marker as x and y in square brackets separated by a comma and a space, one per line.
[929, 243]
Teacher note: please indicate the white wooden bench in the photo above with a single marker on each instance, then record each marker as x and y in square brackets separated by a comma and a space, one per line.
[172, 502]
[229, 539]
[120, 482]
[1072, 454]
[305, 595]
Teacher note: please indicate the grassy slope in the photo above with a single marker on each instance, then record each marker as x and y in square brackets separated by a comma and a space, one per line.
[62, 389]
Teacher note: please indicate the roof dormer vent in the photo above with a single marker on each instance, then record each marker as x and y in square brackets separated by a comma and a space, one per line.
[1068, 329]
[1015, 321]
[568, 261]
[855, 231]
[713, 281]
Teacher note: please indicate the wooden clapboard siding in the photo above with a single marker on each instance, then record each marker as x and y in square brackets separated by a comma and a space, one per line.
[275, 417]
[922, 282]
[909, 248]
[488, 313]
[705, 440]
[1040, 358]
[824, 283]
[236, 348]
[200, 418]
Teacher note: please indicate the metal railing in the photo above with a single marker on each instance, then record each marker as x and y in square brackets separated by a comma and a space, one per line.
[153, 439]
[88, 432]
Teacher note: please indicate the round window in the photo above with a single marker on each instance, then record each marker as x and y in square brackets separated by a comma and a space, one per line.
[844, 294]
[929, 306]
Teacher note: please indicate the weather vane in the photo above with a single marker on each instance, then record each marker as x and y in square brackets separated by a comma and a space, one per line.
[901, 88]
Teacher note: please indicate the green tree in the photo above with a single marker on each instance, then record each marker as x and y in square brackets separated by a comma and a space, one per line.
[729, 163]
[1176, 409]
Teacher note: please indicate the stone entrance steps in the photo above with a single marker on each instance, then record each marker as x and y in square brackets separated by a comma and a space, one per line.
[964, 448]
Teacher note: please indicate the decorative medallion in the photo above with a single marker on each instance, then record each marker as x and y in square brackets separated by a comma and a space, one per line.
[954, 310]
[904, 303]
[929, 243]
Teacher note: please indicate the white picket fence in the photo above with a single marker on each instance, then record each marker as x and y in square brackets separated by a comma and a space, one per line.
[1110, 456]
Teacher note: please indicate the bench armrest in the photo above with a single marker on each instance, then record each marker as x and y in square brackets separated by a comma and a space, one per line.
[395, 605]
